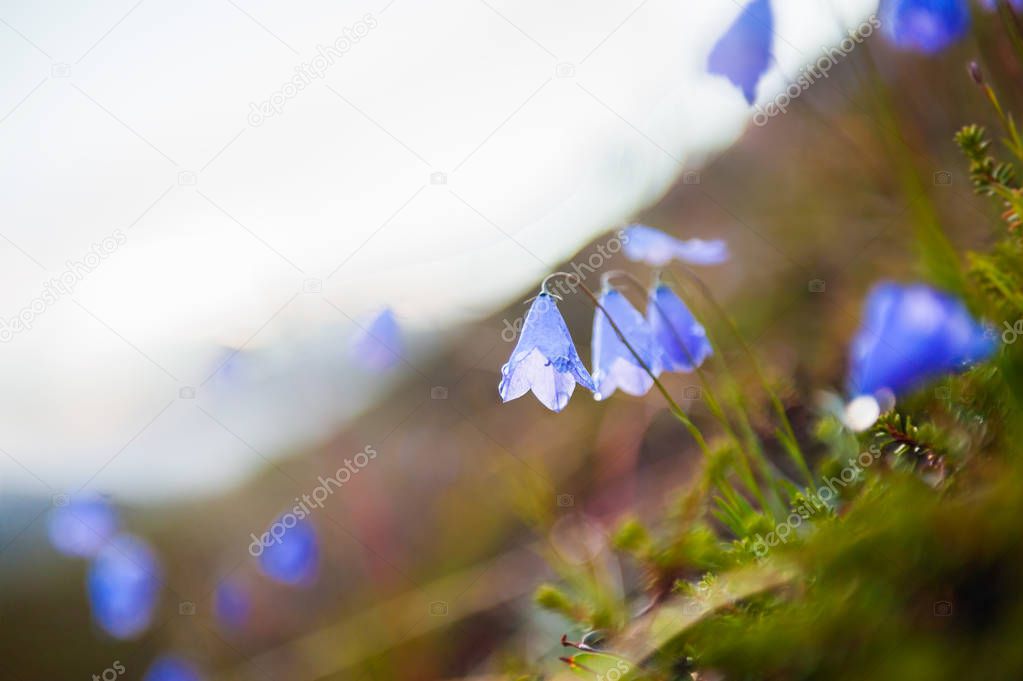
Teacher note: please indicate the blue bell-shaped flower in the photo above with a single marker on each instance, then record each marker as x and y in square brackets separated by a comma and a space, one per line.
[123, 584]
[545, 359]
[926, 26]
[743, 53]
[171, 668]
[655, 248]
[614, 365]
[83, 526]
[911, 334]
[292, 555]
[682, 340]
[379, 345]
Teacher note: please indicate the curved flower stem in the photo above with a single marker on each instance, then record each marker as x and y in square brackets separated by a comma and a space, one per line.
[787, 435]
[676, 410]
[713, 404]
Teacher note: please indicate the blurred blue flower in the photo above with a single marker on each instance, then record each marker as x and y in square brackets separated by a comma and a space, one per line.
[83, 526]
[743, 53]
[653, 247]
[293, 557]
[231, 604]
[911, 334]
[171, 668]
[614, 366]
[682, 339]
[123, 585]
[544, 360]
[378, 346]
[926, 26]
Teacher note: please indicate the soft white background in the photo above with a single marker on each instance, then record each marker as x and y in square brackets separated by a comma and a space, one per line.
[335, 193]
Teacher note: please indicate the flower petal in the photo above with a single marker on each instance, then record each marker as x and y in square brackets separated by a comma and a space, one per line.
[910, 335]
[378, 346]
[926, 26]
[552, 387]
[682, 339]
[545, 343]
[743, 53]
[614, 364]
[171, 668]
[655, 248]
[123, 586]
[701, 252]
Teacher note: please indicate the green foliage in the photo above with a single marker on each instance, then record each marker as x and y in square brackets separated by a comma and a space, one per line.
[631, 537]
[911, 571]
[998, 276]
[550, 597]
[988, 176]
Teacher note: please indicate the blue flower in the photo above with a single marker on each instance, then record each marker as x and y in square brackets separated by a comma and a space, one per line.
[231, 604]
[743, 53]
[926, 26]
[544, 360]
[911, 334]
[83, 526]
[682, 339]
[293, 556]
[378, 346]
[123, 585]
[614, 366]
[653, 247]
[171, 668]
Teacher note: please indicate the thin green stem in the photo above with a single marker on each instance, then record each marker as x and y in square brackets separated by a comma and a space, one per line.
[713, 405]
[938, 257]
[786, 435]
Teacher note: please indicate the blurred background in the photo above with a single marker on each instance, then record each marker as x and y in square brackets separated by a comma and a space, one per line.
[246, 242]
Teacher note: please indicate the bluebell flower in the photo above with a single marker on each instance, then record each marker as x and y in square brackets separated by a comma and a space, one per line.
[655, 248]
[614, 365]
[926, 26]
[378, 346]
[682, 339]
[292, 557]
[911, 334]
[123, 585]
[231, 604]
[83, 526]
[743, 53]
[171, 668]
[545, 359]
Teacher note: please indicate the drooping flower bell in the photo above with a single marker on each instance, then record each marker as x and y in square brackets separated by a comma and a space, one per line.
[911, 334]
[231, 604]
[123, 585]
[682, 340]
[292, 557]
[378, 346]
[83, 526]
[655, 248]
[743, 53]
[171, 668]
[545, 359]
[926, 26]
[614, 365]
